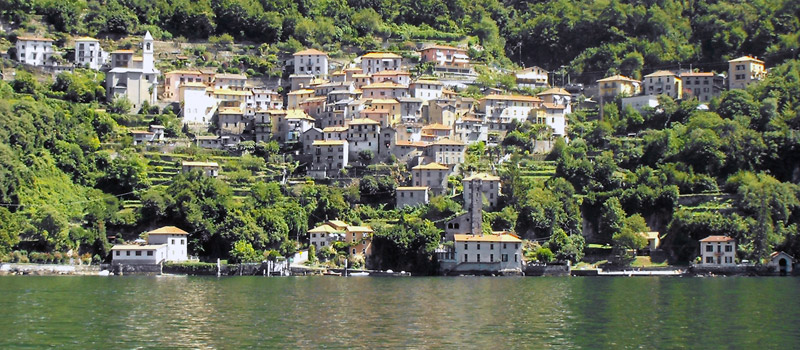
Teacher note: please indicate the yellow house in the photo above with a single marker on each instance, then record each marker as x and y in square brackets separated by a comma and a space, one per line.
[663, 82]
[392, 106]
[743, 71]
[618, 85]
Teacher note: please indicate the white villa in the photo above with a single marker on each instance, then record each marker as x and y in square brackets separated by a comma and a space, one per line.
[717, 251]
[164, 244]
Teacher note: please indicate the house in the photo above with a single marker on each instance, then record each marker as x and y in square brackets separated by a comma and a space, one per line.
[210, 142]
[532, 77]
[383, 90]
[329, 158]
[263, 99]
[231, 121]
[781, 263]
[470, 129]
[167, 243]
[446, 151]
[136, 79]
[308, 137]
[618, 85]
[484, 185]
[702, 85]
[295, 97]
[639, 103]
[363, 134]
[446, 59]
[262, 126]
[359, 237]
[411, 196]
[289, 124]
[235, 82]
[653, 240]
[410, 109]
[324, 234]
[396, 76]
[375, 62]
[663, 82]
[500, 110]
[174, 79]
[311, 61]
[154, 134]
[432, 175]
[442, 111]
[716, 251]
[88, 53]
[496, 252]
[199, 104]
[743, 71]
[207, 168]
[34, 51]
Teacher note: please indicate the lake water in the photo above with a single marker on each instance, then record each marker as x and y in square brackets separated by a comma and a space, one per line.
[360, 312]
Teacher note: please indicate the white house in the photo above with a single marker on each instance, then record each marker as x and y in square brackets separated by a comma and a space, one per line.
[532, 77]
[494, 252]
[639, 103]
[167, 243]
[88, 53]
[34, 51]
[717, 251]
[427, 90]
[153, 135]
[199, 104]
[374, 62]
[312, 62]
[138, 81]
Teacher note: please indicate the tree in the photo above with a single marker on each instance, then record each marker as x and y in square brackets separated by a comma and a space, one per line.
[612, 218]
[629, 239]
[243, 252]
[10, 227]
[120, 105]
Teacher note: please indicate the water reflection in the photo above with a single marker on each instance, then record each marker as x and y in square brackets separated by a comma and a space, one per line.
[331, 312]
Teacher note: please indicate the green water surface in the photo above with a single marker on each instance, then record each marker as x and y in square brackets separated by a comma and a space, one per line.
[134, 312]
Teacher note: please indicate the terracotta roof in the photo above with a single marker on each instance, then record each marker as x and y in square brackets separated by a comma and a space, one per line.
[503, 238]
[431, 166]
[363, 121]
[661, 73]
[122, 51]
[301, 92]
[230, 76]
[443, 47]
[512, 98]
[697, 74]
[482, 176]
[335, 129]
[324, 228]
[411, 143]
[230, 110]
[412, 188]
[206, 137]
[553, 91]
[391, 72]
[437, 126]
[358, 228]
[746, 59]
[86, 38]
[553, 106]
[168, 230]
[381, 55]
[199, 164]
[448, 142]
[309, 52]
[717, 239]
[617, 78]
[384, 85]
[329, 143]
[375, 111]
[428, 81]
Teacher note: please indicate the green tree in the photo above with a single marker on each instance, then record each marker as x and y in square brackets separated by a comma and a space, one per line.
[243, 252]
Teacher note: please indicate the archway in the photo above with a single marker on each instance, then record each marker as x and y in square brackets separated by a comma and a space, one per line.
[782, 265]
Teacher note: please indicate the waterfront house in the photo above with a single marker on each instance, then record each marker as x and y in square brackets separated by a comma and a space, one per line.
[167, 243]
[653, 240]
[717, 251]
[780, 262]
[324, 234]
[496, 252]
[359, 237]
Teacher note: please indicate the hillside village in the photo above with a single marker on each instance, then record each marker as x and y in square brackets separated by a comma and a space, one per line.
[337, 119]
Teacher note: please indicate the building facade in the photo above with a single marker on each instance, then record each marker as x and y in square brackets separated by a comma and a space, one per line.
[717, 251]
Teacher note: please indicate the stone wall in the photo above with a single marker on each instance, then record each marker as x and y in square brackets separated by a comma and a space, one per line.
[547, 270]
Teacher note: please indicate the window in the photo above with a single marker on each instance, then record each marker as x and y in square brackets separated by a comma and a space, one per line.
[491, 257]
[173, 241]
[504, 257]
[709, 260]
[465, 246]
[479, 258]
[117, 252]
[138, 253]
[728, 248]
[128, 253]
[491, 246]
[709, 248]
[505, 246]
[465, 258]
[479, 246]
[515, 257]
[149, 253]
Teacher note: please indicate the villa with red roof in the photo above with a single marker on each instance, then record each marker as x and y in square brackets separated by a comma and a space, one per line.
[716, 251]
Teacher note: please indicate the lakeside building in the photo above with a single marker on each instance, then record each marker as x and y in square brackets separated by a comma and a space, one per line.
[89, 54]
[359, 237]
[167, 243]
[744, 71]
[781, 263]
[717, 251]
[34, 51]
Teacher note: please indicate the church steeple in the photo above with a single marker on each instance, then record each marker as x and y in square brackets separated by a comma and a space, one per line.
[147, 52]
